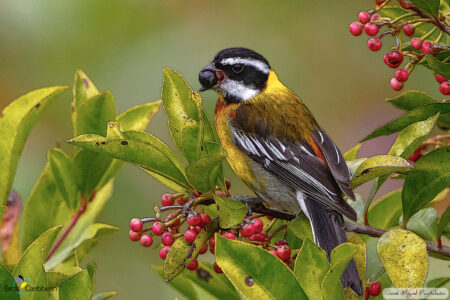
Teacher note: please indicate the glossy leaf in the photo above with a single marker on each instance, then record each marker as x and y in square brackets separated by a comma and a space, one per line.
[63, 172]
[377, 166]
[423, 223]
[385, 211]
[352, 153]
[30, 264]
[412, 136]
[443, 222]
[404, 256]
[431, 7]
[430, 176]
[360, 259]
[83, 89]
[44, 201]
[77, 287]
[139, 148]
[301, 228]
[181, 252]
[202, 174]
[411, 99]
[339, 259]
[103, 295]
[138, 117]
[438, 282]
[418, 114]
[191, 139]
[8, 281]
[238, 260]
[82, 227]
[16, 121]
[231, 212]
[310, 268]
[438, 66]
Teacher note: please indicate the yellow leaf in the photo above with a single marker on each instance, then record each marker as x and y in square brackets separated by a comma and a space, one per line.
[404, 256]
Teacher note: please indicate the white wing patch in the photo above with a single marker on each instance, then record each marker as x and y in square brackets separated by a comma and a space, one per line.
[301, 200]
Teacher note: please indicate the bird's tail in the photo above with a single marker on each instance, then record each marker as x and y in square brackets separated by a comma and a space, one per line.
[328, 233]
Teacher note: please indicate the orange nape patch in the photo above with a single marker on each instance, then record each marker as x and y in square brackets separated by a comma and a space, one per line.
[317, 150]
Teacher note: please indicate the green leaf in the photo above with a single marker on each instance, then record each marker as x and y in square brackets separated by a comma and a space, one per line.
[251, 270]
[301, 228]
[76, 287]
[138, 117]
[30, 264]
[191, 139]
[167, 182]
[310, 268]
[352, 153]
[216, 286]
[418, 114]
[430, 176]
[103, 295]
[431, 7]
[404, 256]
[7, 280]
[231, 212]
[443, 222]
[377, 166]
[339, 259]
[16, 122]
[409, 100]
[44, 201]
[202, 174]
[63, 172]
[82, 228]
[438, 66]
[360, 259]
[182, 253]
[412, 136]
[139, 148]
[83, 89]
[358, 206]
[91, 268]
[384, 212]
[423, 223]
[438, 282]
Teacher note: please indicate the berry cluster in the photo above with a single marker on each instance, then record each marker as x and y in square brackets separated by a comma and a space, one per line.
[373, 290]
[371, 22]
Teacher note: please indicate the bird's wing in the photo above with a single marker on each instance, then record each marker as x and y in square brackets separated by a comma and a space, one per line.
[301, 164]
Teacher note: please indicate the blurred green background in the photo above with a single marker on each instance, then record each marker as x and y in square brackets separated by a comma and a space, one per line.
[123, 46]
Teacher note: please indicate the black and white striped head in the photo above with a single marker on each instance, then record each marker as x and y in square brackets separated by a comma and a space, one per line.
[238, 73]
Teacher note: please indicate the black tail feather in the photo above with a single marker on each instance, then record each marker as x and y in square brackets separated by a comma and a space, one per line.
[328, 233]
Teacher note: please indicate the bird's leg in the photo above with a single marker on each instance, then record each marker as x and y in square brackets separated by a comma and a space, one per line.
[255, 205]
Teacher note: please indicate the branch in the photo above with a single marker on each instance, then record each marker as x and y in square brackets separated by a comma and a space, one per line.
[441, 25]
[376, 232]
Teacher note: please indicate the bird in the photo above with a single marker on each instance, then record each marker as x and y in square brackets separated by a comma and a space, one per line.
[276, 147]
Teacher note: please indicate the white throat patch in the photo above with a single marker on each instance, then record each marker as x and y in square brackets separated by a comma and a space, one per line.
[238, 90]
[247, 62]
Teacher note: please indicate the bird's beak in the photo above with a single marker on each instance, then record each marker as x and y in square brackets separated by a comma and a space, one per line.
[210, 77]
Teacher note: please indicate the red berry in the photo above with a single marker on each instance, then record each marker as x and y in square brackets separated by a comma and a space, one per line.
[427, 47]
[284, 252]
[247, 230]
[217, 269]
[227, 183]
[198, 229]
[371, 29]
[134, 236]
[395, 57]
[136, 224]
[146, 240]
[355, 28]
[401, 75]
[444, 88]
[417, 154]
[374, 44]
[203, 249]
[378, 2]
[396, 85]
[374, 17]
[416, 43]
[405, 4]
[205, 219]
[171, 216]
[196, 194]
[274, 252]
[408, 30]
[182, 200]
[211, 249]
[193, 265]
[164, 251]
[194, 220]
[212, 241]
[258, 225]
[374, 289]
[167, 200]
[229, 235]
[157, 228]
[167, 239]
[281, 243]
[259, 237]
[439, 78]
[190, 235]
[363, 17]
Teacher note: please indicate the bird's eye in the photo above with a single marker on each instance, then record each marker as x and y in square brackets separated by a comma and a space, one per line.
[237, 68]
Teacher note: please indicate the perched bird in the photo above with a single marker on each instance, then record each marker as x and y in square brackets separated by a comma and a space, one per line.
[276, 147]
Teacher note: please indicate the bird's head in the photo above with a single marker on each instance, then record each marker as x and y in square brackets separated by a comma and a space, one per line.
[239, 74]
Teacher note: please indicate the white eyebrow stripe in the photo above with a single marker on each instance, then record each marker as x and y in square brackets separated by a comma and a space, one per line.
[248, 62]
